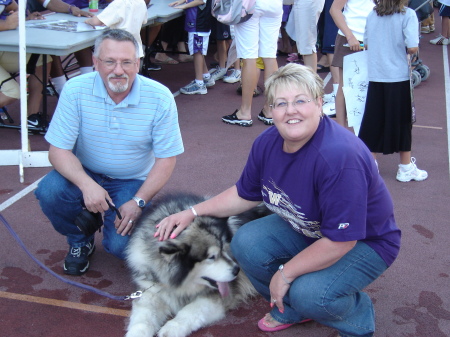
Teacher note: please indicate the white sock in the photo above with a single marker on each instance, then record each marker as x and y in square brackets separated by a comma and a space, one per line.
[206, 76]
[85, 70]
[335, 88]
[58, 83]
[406, 167]
[200, 83]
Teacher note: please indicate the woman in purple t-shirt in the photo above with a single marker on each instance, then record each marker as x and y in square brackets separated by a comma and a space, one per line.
[333, 230]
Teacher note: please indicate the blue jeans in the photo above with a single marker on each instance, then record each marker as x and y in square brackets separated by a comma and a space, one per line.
[60, 201]
[332, 296]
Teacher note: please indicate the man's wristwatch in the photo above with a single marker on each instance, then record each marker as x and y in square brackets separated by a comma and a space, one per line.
[140, 202]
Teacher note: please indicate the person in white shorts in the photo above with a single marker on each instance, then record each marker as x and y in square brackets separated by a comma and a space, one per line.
[306, 14]
[257, 37]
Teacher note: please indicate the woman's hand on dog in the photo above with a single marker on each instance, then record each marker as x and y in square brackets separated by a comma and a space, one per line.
[173, 225]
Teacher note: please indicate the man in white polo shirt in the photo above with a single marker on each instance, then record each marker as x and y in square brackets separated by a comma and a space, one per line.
[113, 139]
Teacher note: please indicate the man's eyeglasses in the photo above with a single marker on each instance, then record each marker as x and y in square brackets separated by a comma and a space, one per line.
[110, 64]
[282, 106]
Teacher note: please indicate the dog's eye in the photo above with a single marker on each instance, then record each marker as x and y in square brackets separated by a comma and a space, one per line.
[212, 257]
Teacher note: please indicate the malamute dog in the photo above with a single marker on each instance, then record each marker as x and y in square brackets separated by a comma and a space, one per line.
[188, 282]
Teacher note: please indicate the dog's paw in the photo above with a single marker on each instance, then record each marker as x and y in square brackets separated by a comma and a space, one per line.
[173, 329]
[139, 330]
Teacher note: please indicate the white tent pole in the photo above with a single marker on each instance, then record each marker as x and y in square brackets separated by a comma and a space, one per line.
[23, 85]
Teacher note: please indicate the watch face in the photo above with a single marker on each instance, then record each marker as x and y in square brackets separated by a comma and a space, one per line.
[141, 203]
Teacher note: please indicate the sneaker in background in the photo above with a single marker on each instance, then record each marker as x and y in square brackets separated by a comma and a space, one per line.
[414, 173]
[77, 259]
[425, 30]
[440, 40]
[193, 88]
[218, 73]
[264, 119]
[329, 98]
[153, 66]
[233, 77]
[209, 82]
[329, 109]
[233, 119]
[36, 124]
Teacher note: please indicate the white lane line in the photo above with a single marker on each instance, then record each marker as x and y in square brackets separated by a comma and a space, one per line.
[19, 195]
[447, 98]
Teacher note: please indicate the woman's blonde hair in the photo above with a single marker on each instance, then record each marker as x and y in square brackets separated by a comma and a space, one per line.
[294, 76]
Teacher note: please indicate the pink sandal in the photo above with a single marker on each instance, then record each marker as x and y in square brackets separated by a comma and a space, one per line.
[263, 326]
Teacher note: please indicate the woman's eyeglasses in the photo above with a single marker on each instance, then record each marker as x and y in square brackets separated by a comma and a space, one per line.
[282, 106]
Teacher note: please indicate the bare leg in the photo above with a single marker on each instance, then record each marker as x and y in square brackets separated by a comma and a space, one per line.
[310, 61]
[333, 70]
[341, 113]
[222, 52]
[199, 64]
[405, 157]
[6, 100]
[249, 80]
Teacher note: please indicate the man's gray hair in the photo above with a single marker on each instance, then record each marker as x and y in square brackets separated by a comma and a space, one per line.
[116, 35]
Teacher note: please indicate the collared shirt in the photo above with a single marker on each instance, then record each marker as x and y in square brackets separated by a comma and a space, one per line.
[118, 140]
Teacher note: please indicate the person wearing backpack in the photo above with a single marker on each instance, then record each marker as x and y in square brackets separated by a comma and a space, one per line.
[256, 37]
[198, 25]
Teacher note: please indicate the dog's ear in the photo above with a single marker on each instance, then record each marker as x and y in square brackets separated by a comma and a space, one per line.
[171, 247]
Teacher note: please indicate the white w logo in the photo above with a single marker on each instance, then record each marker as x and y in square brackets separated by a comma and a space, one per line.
[274, 198]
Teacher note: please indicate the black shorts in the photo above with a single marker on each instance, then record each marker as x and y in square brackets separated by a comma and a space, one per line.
[220, 31]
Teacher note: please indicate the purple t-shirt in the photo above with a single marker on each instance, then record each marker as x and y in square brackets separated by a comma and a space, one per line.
[329, 188]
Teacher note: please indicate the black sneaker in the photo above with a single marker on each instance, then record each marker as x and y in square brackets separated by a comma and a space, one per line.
[233, 119]
[36, 124]
[153, 66]
[264, 119]
[77, 260]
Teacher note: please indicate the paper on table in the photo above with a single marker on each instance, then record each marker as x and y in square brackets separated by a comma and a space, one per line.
[84, 27]
[64, 25]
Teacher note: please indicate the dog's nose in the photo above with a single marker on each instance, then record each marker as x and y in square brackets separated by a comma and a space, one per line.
[236, 270]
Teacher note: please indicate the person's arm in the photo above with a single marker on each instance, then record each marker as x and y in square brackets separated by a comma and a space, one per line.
[320, 255]
[60, 6]
[339, 20]
[11, 22]
[223, 205]
[156, 179]
[69, 166]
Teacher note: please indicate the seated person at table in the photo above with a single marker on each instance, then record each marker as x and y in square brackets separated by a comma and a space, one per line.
[9, 64]
[113, 139]
[84, 56]
[129, 15]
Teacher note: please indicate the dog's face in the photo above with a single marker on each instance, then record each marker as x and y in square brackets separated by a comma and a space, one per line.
[198, 259]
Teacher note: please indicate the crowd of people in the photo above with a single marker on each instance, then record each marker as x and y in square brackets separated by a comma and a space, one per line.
[115, 115]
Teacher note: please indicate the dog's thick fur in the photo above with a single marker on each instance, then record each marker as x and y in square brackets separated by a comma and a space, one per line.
[188, 282]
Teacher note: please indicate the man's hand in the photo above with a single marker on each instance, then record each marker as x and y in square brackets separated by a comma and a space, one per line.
[130, 211]
[95, 198]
